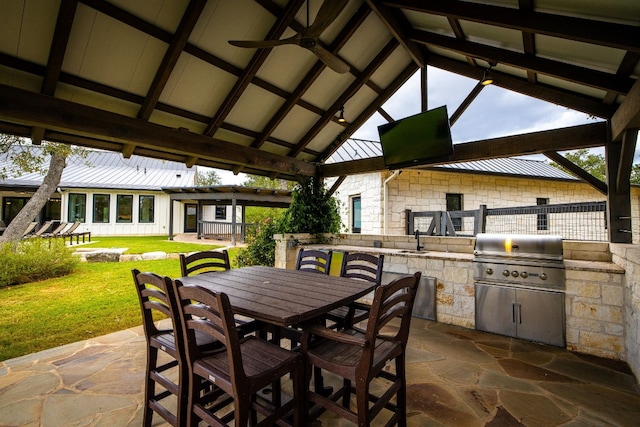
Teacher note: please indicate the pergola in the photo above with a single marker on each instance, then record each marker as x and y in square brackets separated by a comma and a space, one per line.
[160, 79]
[228, 195]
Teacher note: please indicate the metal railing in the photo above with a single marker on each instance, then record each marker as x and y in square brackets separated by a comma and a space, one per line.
[222, 230]
[574, 221]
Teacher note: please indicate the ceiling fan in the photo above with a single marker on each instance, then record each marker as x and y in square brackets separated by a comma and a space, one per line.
[308, 37]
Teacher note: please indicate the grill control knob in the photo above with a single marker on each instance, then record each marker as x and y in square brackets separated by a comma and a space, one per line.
[489, 271]
[515, 273]
[505, 273]
[543, 276]
[524, 274]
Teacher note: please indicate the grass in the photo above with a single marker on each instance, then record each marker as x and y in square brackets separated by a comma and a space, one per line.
[96, 299]
[142, 244]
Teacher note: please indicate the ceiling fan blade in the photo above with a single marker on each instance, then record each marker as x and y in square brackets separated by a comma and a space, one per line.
[260, 44]
[330, 60]
[328, 12]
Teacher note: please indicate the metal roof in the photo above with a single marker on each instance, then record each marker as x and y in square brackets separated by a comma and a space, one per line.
[160, 79]
[228, 194]
[109, 170]
[356, 149]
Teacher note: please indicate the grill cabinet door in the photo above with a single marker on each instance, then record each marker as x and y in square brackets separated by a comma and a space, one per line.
[495, 309]
[541, 316]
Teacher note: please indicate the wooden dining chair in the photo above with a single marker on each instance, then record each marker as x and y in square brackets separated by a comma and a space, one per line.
[238, 372]
[155, 295]
[358, 266]
[314, 260]
[204, 261]
[359, 357]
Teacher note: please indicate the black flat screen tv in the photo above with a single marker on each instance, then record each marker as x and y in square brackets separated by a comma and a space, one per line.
[416, 140]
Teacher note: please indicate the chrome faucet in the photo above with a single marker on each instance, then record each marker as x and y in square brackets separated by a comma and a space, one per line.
[418, 248]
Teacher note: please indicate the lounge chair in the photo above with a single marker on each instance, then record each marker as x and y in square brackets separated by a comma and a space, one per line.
[29, 229]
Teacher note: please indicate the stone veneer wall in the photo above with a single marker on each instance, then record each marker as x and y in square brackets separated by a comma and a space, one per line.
[628, 257]
[596, 298]
[426, 191]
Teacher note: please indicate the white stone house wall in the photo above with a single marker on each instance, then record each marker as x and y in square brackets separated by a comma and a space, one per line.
[426, 191]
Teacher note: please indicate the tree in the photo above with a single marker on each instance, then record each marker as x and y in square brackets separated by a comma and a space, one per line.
[207, 178]
[26, 161]
[312, 210]
[258, 181]
[596, 165]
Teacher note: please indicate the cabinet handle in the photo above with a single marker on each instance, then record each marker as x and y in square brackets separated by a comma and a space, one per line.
[519, 313]
[513, 312]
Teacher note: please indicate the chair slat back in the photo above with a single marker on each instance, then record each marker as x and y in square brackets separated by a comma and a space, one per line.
[70, 229]
[391, 301]
[362, 266]
[314, 260]
[152, 294]
[209, 313]
[44, 228]
[204, 261]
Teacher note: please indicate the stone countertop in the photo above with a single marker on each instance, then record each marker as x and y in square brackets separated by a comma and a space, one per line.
[570, 264]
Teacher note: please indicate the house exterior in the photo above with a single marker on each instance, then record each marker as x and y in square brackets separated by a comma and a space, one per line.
[376, 203]
[112, 195]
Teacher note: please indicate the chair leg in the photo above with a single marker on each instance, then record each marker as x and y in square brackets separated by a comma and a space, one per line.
[346, 397]
[401, 396]
[362, 404]
[149, 387]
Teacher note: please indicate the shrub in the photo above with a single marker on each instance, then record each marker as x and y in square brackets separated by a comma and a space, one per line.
[34, 259]
[261, 248]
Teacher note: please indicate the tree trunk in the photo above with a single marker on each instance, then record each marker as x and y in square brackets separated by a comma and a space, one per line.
[17, 227]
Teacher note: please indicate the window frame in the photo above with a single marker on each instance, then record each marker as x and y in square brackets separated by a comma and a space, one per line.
[218, 209]
[354, 210]
[542, 219]
[108, 206]
[119, 198]
[72, 210]
[459, 198]
[142, 207]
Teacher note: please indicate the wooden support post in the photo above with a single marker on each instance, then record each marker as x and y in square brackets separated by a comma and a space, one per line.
[619, 197]
[233, 221]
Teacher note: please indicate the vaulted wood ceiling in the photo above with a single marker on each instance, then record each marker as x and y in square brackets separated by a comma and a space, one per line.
[159, 78]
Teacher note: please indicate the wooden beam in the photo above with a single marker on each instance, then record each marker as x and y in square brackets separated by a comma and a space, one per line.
[174, 50]
[353, 88]
[24, 107]
[619, 197]
[465, 103]
[354, 23]
[277, 30]
[127, 150]
[578, 171]
[397, 24]
[627, 116]
[336, 184]
[583, 103]
[571, 138]
[611, 34]
[562, 70]
[627, 151]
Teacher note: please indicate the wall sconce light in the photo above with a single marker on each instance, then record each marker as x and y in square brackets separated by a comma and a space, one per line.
[341, 118]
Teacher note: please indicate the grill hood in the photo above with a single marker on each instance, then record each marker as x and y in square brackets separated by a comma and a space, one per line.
[519, 247]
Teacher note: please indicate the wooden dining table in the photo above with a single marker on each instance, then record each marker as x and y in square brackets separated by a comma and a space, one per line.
[281, 297]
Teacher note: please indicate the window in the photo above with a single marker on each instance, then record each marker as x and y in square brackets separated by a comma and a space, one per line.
[101, 208]
[52, 210]
[145, 211]
[356, 214]
[543, 218]
[221, 212]
[124, 207]
[11, 207]
[454, 203]
[77, 207]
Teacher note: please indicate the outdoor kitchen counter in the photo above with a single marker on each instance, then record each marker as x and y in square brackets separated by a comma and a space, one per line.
[453, 256]
[570, 264]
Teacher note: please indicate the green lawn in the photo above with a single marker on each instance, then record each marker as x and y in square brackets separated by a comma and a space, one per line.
[142, 244]
[98, 298]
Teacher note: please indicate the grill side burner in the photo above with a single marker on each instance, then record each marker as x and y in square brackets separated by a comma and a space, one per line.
[519, 286]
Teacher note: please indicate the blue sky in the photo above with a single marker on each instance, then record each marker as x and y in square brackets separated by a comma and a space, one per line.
[494, 113]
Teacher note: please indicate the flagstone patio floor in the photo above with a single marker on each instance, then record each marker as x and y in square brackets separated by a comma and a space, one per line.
[456, 376]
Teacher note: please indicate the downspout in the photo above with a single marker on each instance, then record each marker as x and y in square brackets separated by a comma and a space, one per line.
[393, 176]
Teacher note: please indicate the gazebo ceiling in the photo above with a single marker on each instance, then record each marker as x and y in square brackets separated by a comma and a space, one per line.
[160, 79]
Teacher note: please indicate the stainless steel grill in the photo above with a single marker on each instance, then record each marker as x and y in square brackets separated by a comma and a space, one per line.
[519, 284]
[529, 260]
